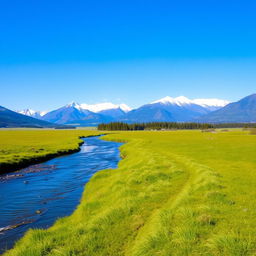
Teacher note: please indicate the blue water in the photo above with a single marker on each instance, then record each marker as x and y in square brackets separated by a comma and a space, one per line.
[38, 195]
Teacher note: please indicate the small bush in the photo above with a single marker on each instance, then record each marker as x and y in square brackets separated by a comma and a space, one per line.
[209, 130]
[206, 219]
[253, 131]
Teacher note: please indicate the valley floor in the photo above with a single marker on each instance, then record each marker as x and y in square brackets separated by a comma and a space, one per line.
[20, 148]
[174, 193]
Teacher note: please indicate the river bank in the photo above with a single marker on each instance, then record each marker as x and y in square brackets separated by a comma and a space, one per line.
[51, 190]
[22, 148]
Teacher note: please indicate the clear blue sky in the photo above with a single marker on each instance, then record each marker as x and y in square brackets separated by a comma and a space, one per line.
[53, 52]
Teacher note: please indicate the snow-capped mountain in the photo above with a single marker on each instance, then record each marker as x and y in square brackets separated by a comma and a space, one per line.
[32, 113]
[71, 114]
[85, 114]
[108, 108]
[180, 109]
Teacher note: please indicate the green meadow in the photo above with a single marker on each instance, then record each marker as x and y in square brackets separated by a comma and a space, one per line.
[174, 193]
[19, 147]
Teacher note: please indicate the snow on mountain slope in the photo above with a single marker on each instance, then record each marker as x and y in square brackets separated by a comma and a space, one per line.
[125, 108]
[211, 104]
[96, 108]
[27, 112]
[174, 101]
[104, 106]
[180, 109]
[206, 103]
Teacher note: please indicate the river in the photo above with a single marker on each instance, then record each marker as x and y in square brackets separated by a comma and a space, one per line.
[36, 196]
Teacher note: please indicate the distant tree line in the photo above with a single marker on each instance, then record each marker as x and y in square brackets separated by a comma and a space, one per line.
[120, 126]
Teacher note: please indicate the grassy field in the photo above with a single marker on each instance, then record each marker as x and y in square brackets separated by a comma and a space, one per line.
[18, 148]
[174, 193]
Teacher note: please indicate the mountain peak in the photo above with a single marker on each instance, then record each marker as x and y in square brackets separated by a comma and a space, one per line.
[73, 104]
[164, 100]
[27, 112]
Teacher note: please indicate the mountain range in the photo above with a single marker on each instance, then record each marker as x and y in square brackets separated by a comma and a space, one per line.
[167, 109]
[180, 109]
